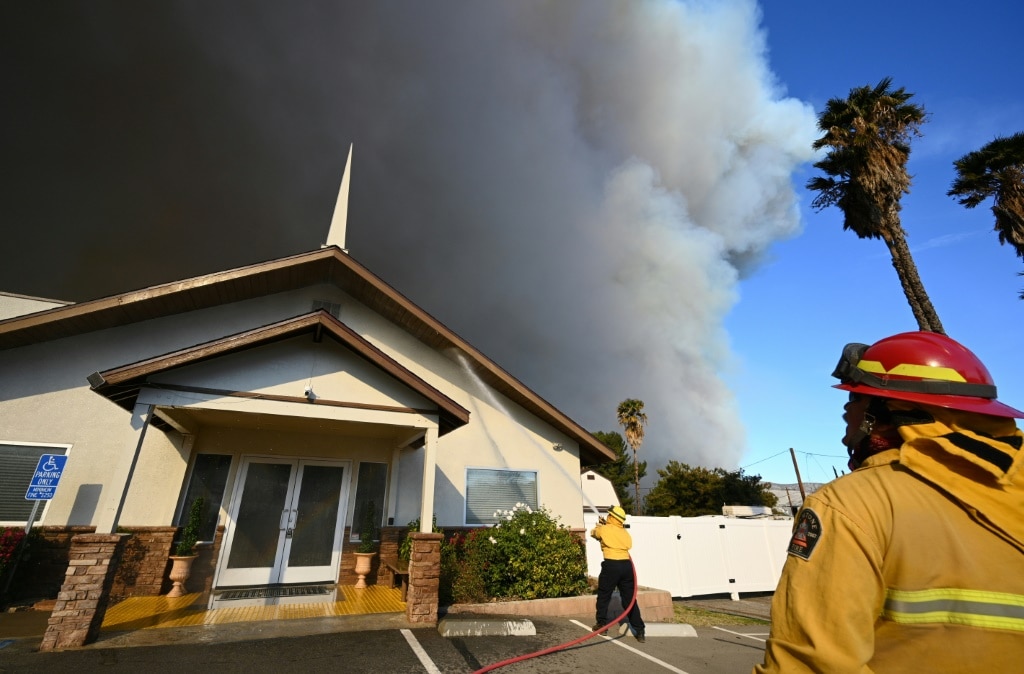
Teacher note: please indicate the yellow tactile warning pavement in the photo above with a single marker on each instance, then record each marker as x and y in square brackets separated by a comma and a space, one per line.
[139, 613]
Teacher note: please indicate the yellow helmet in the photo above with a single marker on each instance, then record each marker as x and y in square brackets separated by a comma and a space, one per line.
[618, 513]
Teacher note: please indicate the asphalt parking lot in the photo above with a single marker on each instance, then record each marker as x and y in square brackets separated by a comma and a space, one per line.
[387, 643]
[392, 647]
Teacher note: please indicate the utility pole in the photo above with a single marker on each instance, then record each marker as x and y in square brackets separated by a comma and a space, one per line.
[800, 482]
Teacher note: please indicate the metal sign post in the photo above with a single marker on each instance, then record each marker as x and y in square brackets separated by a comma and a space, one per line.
[43, 486]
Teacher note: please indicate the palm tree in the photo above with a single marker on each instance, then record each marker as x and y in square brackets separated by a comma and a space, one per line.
[620, 472]
[868, 136]
[997, 171]
[632, 419]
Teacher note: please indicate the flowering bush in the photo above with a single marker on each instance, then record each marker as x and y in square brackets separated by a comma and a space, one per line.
[10, 539]
[462, 567]
[527, 555]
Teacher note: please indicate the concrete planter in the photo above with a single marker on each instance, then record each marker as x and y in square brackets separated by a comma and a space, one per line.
[364, 562]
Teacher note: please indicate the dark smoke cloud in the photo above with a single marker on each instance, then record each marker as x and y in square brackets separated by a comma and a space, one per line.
[575, 187]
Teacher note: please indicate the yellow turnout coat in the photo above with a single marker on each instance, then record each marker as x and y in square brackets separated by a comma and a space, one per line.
[889, 573]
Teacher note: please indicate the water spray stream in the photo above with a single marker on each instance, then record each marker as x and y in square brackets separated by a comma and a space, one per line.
[488, 395]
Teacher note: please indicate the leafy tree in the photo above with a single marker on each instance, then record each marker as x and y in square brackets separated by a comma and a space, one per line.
[868, 139]
[694, 491]
[996, 171]
[619, 472]
[631, 417]
[740, 489]
[684, 491]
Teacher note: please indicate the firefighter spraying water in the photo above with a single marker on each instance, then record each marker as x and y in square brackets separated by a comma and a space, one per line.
[615, 544]
[616, 571]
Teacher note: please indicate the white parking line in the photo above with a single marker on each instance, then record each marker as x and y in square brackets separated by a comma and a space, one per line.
[619, 643]
[420, 653]
[741, 634]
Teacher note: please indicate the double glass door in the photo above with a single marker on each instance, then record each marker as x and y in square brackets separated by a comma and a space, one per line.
[285, 522]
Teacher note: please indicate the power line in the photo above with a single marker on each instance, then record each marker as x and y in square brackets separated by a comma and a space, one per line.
[785, 451]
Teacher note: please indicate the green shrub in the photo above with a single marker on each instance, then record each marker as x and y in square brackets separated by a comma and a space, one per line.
[462, 568]
[405, 547]
[190, 533]
[368, 532]
[528, 555]
[14, 542]
[449, 574]
[10, 540]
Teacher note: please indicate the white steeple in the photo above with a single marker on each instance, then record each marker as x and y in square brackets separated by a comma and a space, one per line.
[336, 234]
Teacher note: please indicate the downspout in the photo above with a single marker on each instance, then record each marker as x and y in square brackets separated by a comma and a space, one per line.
[140, 421]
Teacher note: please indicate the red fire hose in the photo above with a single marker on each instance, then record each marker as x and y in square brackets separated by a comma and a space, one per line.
[559, 647]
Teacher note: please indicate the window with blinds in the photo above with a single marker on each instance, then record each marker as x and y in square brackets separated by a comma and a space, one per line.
[491, 490]
[17, 465]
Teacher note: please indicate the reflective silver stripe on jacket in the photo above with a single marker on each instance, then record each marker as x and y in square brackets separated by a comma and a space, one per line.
[976, 608]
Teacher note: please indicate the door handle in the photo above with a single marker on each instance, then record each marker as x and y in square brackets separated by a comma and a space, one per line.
[288, 516]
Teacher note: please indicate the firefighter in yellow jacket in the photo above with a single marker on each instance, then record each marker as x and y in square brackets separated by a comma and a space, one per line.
[914, 562]
[616, 572]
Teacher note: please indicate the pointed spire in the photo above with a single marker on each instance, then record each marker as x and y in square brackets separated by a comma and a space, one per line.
[336, 234]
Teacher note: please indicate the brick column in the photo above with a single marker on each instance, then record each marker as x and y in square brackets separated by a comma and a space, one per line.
[82, 601]
[424, 578]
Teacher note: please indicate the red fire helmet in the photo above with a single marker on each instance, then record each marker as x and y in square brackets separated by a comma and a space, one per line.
[923, 367]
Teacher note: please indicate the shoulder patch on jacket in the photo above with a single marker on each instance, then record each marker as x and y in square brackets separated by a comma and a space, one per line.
[806, 535]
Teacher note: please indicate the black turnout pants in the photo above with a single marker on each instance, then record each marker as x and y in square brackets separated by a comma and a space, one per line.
[617, 573]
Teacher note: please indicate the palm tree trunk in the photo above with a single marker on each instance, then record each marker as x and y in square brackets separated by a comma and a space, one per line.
[636, 484]
[913, 288]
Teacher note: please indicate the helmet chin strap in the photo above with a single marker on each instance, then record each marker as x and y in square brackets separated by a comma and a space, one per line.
[858, 443]
[867, 425]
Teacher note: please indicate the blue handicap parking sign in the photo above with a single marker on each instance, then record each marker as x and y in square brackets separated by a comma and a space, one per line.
[46, 477]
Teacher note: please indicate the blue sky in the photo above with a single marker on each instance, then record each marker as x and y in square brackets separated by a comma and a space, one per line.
[825, 287]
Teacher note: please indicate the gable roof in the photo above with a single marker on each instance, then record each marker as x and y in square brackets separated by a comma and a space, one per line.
[13, 304]
[122, 384]
[327, 265]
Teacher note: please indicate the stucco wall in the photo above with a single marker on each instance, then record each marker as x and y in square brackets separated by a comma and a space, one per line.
[500, 434]
[44, 397]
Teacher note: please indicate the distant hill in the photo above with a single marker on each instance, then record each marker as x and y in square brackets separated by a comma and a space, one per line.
[789, 494]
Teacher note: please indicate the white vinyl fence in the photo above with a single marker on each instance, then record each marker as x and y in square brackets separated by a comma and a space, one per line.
[694, 556]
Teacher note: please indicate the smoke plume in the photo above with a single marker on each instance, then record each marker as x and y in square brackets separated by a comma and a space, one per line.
[576, 187]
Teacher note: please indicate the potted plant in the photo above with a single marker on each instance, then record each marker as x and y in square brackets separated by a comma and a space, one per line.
[367, 544]
[184, 549]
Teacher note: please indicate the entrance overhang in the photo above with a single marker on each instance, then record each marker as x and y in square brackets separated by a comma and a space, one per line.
[123, 385]
[191, 412]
